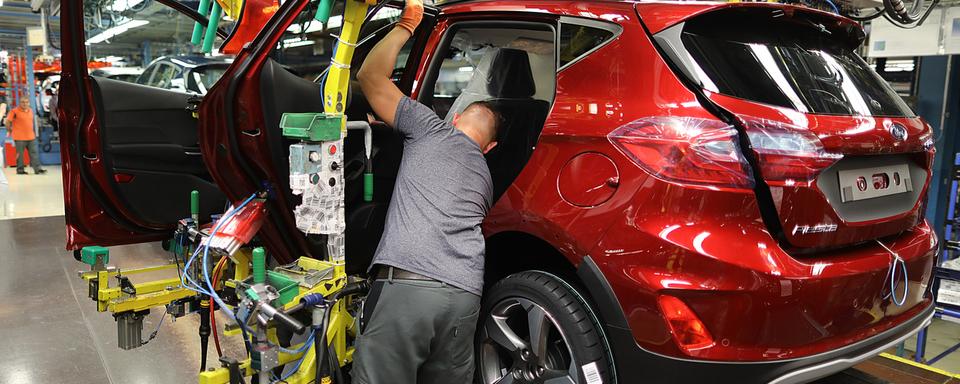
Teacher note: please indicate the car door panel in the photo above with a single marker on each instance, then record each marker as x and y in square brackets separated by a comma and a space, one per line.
[129, 154]
[149, 143]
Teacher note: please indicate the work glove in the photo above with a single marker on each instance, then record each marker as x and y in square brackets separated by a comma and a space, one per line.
[412, 15]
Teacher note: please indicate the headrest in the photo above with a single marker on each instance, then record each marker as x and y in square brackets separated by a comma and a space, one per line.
[510, 75]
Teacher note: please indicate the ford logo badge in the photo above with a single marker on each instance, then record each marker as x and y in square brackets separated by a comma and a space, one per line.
[898, 132]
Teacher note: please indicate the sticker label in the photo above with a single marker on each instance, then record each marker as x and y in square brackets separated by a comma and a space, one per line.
[591, 373]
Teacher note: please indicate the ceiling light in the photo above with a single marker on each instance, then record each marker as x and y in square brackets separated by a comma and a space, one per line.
[114, 31]
[297, 43]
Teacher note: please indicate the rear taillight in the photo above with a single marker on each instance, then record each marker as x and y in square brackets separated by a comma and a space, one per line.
[787, 154]
[685, 150]
[687, 329]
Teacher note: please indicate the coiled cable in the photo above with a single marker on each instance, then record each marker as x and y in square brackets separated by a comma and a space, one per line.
[897, 263]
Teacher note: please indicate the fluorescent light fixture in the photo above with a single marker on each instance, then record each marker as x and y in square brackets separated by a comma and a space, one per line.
[297, 43]
[123, 5]
[114, 31]
[465, 69]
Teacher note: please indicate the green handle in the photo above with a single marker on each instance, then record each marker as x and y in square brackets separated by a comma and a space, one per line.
[195, 206]
[323, 11]
[368, 187]
[215, 14]
[259, 265]
[197, 27]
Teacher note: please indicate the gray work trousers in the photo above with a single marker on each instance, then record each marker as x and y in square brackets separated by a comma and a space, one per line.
[417, 332]
[31, 147]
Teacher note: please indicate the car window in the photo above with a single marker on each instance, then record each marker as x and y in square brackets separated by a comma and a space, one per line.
[577, 40]
[200, 79]
[135, 33]
[797, 63]
[475, 55]
[144, 77]
[163, 76]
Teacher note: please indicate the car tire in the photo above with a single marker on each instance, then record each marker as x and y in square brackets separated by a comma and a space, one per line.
[570, 349]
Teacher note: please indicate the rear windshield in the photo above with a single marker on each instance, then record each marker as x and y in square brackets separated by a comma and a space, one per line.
[792, 61]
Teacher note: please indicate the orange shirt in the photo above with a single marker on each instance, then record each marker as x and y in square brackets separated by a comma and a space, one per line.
[22, 127]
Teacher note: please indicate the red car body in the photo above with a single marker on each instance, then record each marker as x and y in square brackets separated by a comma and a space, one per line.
[783, 296]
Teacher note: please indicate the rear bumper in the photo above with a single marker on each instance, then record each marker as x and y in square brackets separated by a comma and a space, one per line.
[633, 363]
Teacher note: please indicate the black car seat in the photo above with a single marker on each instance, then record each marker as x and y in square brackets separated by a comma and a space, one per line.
[504, 77]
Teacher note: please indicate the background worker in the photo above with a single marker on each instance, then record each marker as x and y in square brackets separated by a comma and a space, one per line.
[418, 323]
[20, 123]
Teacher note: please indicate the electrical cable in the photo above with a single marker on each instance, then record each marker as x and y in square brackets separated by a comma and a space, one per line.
[213, 314]
[879, 12]
[832, 5]
[153, 334]
[895, 262]
[206, 251]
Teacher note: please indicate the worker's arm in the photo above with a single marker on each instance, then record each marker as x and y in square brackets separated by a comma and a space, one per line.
[374, 76]
[10, 116]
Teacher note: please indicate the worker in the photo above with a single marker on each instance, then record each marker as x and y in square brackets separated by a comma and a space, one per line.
[418, 322]
[20, 122]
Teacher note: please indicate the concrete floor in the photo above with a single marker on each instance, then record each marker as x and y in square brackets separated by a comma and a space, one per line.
[53, 334]
[23, 196]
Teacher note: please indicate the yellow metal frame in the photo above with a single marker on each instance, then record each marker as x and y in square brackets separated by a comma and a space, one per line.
[148, 295]
[341, 323]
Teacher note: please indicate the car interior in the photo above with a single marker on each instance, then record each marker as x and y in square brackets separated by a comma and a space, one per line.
[150, 139]
[515, 68]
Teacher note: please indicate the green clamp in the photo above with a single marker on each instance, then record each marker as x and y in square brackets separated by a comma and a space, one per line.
[95, 254]
[312, 126]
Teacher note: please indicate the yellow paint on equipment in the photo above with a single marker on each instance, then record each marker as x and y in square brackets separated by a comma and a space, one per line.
[231, 8]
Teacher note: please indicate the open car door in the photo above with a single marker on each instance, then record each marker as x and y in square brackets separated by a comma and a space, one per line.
[280, 72]
[131, 155]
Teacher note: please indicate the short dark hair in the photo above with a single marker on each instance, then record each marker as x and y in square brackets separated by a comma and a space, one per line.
[497, 116]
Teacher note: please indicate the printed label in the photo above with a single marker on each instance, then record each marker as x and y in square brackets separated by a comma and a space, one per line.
[591, 373]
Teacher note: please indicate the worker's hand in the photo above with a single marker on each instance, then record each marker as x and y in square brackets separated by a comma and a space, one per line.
[412, 15]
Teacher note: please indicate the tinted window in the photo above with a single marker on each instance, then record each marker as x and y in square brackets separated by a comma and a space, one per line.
[577, 40]
[787, 61]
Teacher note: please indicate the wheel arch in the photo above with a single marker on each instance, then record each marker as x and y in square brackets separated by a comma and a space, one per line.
[510, 252]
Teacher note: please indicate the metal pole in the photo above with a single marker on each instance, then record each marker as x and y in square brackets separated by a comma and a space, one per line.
[31, 87]
[147, 55]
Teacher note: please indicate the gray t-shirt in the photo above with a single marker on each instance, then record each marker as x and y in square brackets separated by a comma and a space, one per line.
[443, 192]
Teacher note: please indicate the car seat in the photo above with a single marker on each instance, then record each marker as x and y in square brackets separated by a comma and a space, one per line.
[505, 78]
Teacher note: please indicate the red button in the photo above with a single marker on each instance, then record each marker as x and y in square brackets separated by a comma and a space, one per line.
[333, 149]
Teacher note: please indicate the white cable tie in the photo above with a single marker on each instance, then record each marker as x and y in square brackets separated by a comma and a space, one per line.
[339, 65]
[895, 255]
[341, 41]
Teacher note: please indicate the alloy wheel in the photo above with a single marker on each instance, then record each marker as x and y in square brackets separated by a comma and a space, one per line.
[521, 343]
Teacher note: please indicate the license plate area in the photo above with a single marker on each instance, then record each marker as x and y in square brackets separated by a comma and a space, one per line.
[869, 183]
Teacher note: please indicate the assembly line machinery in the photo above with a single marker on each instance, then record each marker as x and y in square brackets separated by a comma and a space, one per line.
[296, 320]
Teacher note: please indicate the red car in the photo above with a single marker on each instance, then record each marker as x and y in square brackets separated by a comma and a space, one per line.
[687, 191]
